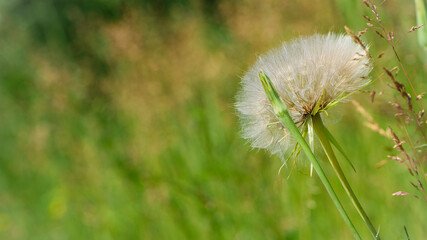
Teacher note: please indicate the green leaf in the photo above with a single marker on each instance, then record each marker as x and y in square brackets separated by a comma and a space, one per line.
[317, 106]
[421, 146]
[345, 95]
[421, 14]
[280, 110]
[320, 130]
[338, 146]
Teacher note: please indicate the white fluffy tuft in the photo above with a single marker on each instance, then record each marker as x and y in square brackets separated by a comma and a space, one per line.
[301, 71]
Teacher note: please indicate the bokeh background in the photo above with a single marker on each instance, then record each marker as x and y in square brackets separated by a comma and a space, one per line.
[117, 122]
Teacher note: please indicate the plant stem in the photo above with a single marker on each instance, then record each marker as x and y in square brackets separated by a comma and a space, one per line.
[319, 128]
[280, 109]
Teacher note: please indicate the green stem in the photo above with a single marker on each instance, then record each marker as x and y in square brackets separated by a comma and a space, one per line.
[280, 109]
[320, 130]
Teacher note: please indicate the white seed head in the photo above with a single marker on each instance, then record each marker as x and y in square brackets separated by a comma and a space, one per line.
[308, 70]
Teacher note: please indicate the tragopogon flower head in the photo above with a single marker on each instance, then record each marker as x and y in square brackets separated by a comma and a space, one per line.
[311, 74]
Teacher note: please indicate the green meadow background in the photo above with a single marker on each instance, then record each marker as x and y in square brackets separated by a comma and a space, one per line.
[117, 122]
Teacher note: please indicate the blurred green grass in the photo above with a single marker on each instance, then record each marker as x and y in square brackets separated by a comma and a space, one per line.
[117, 122]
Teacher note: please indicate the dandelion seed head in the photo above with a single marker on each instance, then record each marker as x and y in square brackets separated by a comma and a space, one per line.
[308, 70]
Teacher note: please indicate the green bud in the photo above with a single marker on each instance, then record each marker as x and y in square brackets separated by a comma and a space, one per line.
[276, 102]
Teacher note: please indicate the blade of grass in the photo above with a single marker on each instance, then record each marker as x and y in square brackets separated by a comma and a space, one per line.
[338, 146]
[280, 109]
[320, 130]
[421, 14]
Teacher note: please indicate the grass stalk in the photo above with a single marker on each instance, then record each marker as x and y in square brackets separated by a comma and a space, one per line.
[320, 130]
[280, 110]
[421, 14]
